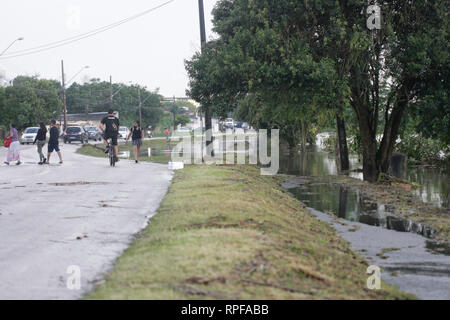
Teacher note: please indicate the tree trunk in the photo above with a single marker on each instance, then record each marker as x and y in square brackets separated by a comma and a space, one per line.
[369, 143]
[342, 144]
[390, 135]
[303, 129]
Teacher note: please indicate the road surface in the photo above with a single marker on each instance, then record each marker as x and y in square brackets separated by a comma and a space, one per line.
[82, 213]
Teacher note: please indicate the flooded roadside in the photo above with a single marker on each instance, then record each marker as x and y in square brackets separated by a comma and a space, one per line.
[405, 250]
[434, 183]
[353, 205]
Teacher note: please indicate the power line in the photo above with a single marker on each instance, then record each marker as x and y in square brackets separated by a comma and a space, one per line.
[82, 36]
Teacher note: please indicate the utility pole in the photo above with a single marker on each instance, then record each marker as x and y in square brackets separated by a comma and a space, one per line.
[208, 124]
[64, 95]
[140, 106]
[110, 93]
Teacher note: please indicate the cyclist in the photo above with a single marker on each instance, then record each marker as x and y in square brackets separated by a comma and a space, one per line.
[110, 128]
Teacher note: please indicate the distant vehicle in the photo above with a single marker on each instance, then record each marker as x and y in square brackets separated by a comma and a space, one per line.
[29, 135]
[238, 124]
[75, 134]
[150, 131]
[184, 130]
[123, 132]
[93, 133]
[229, 123]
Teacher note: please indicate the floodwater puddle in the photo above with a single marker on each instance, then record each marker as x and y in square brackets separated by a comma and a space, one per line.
[354, 206]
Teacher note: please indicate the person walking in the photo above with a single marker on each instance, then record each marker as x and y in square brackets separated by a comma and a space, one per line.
[166, 131]
[53, 142]
[40, 139]
[137, 135]
[14, 148]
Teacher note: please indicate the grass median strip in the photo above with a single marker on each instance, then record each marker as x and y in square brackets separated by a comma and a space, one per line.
[225, 232]
[160, 145]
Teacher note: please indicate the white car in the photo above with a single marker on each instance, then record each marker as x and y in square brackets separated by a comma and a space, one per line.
[29, 135]
[123, 132]
[229, 123]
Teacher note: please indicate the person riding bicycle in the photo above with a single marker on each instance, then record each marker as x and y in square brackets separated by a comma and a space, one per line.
[111, 131]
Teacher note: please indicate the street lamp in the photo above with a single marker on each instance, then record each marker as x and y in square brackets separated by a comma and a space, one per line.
[83, 68]
[18, 39]
[64, 90]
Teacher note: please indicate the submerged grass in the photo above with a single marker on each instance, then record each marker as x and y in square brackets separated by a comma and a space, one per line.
[404, 202]
[226, 232]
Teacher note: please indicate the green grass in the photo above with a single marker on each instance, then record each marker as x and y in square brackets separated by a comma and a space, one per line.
[160, 144]
[225, 232]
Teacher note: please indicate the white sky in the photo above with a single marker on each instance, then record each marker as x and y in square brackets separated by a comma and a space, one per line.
[149, 50]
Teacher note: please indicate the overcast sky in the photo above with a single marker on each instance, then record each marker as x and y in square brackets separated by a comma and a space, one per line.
[149, 50]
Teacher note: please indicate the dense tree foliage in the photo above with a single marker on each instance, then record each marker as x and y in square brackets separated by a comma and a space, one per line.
[28, 101]
[287, 62]
[94, 96]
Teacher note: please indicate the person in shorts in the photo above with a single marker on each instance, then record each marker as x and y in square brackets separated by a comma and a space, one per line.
[137, 135]
[53, 142]
[40, 140]
[110, 128]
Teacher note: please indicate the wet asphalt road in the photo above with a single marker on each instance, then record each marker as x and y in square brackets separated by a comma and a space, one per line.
[44, 209]
[410, 266]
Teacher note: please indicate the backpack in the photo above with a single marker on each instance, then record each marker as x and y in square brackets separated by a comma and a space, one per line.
[7, 142]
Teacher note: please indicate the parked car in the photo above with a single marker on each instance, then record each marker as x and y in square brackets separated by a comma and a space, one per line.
[184, 130]
[123, 132]
[75, 134]
[93, 133]
[238, 124]
[29, 135]
[229, 123]
[150, 131]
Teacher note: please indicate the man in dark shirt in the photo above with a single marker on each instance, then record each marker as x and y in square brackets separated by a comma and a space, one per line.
[110, 127]
[53, 142]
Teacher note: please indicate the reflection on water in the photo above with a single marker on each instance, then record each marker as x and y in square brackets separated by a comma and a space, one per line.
[434, 183]
[313, 163]
[352, 205]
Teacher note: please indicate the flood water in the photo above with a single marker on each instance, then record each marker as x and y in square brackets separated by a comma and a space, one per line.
[352, 205]
[434, 182]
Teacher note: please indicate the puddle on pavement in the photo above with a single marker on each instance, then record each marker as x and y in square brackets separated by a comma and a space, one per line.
[443, 248]
[352, 205]
[79, 183]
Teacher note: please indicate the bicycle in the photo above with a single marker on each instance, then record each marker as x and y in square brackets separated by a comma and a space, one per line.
[111, 153]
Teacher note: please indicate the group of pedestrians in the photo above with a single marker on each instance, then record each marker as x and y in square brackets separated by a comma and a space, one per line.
[13, 153]
[109, 126]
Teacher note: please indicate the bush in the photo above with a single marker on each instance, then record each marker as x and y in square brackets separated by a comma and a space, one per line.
[421, 150]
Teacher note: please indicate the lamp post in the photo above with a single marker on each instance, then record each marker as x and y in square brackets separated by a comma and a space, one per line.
[71, 79]
[18, 39]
